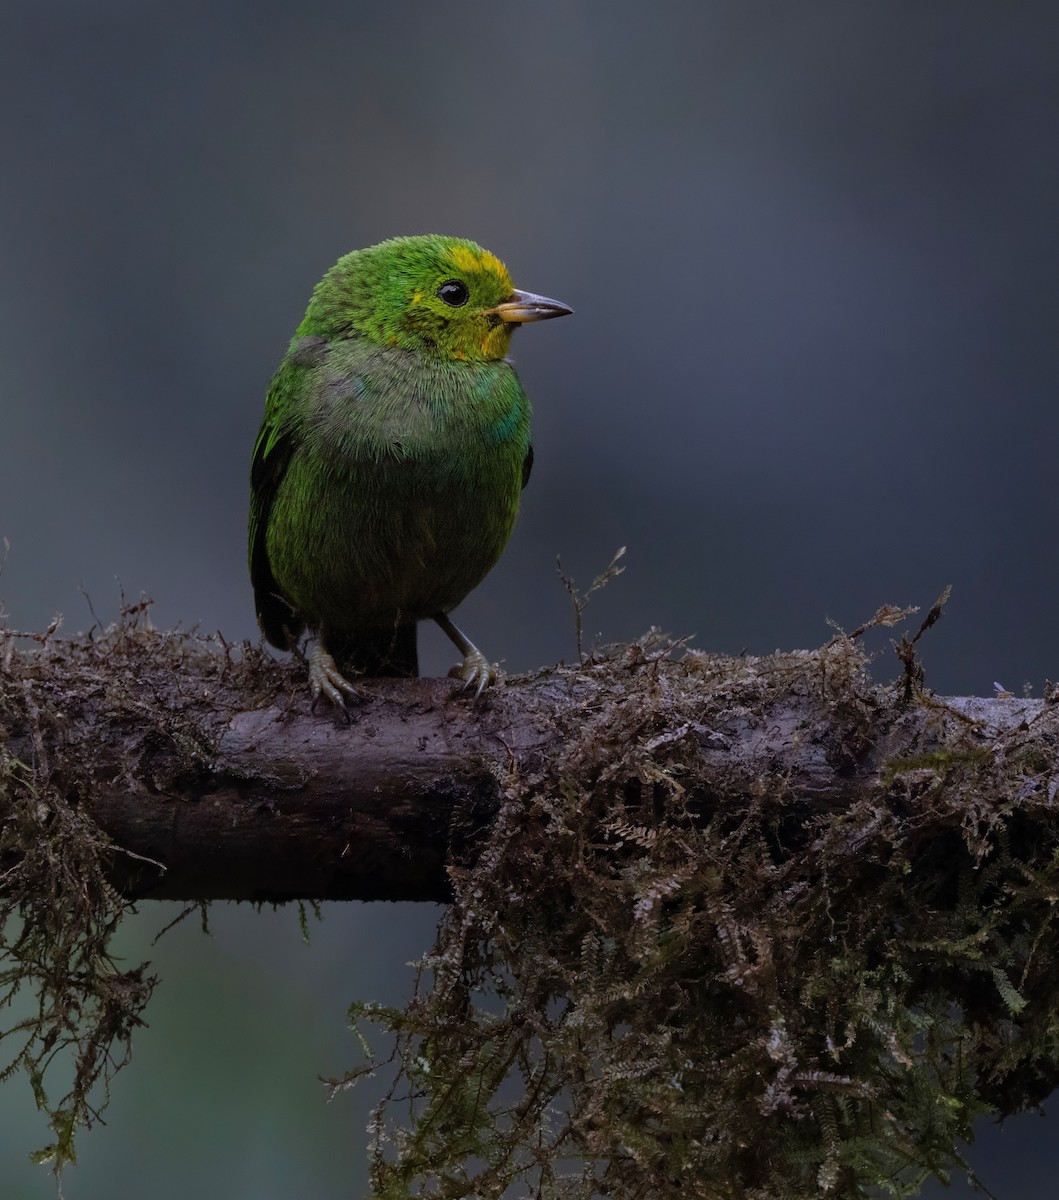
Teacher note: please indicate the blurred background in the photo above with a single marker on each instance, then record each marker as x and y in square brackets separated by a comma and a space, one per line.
[812, 250]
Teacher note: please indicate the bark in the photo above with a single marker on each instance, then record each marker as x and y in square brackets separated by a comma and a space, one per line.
[249, 800]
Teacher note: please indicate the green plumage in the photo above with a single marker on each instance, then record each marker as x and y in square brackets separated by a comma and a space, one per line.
[396, 441]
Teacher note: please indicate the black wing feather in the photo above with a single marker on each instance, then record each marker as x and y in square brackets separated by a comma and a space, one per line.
[278, 620]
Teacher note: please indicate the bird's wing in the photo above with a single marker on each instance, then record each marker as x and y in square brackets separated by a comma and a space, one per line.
[277, 441]
[527, 465]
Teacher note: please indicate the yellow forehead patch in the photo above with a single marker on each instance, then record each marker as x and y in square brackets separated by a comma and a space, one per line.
[471, 261]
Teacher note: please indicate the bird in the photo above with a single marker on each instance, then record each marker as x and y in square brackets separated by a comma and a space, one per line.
[388, 470]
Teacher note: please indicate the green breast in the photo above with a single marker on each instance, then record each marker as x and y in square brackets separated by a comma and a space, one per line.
[404, 486]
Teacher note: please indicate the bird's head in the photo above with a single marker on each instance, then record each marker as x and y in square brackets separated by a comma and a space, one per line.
[441, 296]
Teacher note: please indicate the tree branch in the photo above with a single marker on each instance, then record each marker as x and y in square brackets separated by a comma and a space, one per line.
[210, 771]
[767, 897]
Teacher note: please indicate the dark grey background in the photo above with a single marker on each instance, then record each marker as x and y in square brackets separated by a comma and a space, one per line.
[812, 249]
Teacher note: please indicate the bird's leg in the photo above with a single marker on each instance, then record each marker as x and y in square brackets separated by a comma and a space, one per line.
[476, 670]
[326, 678]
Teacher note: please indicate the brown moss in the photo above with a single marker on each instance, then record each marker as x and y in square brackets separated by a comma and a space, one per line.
[58, 700]
[676, 967]
[658, 981]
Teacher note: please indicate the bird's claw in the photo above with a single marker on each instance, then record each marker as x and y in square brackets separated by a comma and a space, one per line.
[325, 679]
[476, 671]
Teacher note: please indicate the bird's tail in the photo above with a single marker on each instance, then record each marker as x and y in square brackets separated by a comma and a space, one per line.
[378, 652]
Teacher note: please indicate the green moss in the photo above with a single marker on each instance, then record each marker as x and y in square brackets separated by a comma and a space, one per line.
[937, 760]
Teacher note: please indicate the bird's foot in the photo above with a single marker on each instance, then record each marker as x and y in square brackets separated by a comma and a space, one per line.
[325, 679]
[476, 671]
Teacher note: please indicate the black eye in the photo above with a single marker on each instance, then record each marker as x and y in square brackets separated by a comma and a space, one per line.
[454, 292]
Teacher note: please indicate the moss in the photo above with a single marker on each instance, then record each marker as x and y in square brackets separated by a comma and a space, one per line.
[672, 969]
[657, 984]
[937, 760]
[58, 911]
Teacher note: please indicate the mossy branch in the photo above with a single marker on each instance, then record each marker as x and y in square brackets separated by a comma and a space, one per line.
[210, 777]
[758, 927]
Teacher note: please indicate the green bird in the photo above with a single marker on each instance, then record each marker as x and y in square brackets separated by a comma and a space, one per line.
[387, 473]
